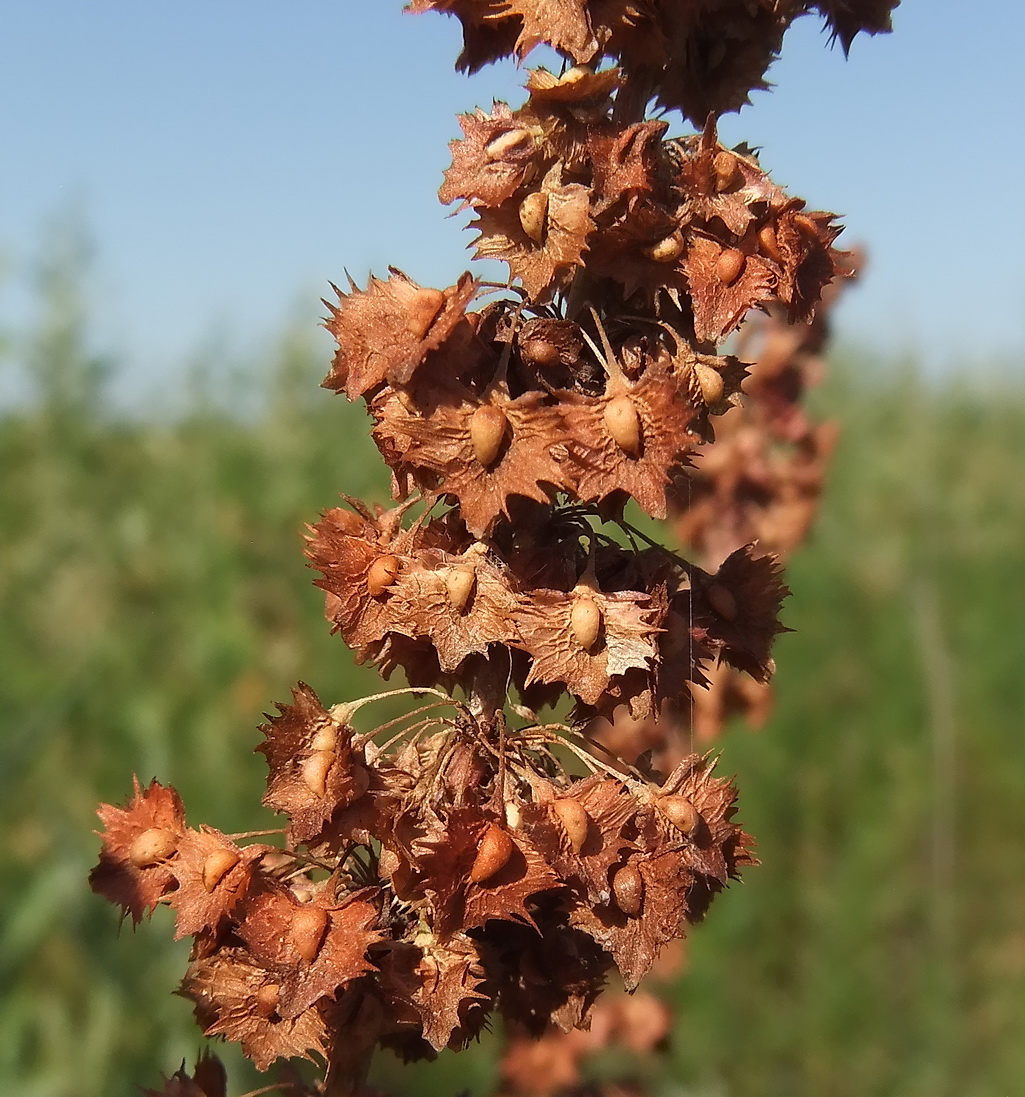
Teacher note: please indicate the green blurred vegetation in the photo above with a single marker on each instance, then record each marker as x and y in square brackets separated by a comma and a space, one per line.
[154, 602]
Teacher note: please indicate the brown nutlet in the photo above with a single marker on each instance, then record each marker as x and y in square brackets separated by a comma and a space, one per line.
[151, 846]
[460, 584]
[575, 821]
[381, 574]
[628, 890]
[315, 769]
[493, 853]
[488, 425]
[680, 812]
[266, 1000]
[722, 601]
[726, 170]
[710, 382]
[666, 250]
[534, 215]
[499, 147]
[769, 243]
[217, 865]
[423, 311]
[585, 621]
[624, 424]
[730, 265]
[307, 930]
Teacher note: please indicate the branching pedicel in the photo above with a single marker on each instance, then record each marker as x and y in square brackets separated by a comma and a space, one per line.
[469, 859]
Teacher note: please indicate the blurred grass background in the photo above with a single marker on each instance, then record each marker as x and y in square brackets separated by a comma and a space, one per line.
[154, 602]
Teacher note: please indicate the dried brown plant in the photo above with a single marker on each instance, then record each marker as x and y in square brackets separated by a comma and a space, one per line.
[469, 859]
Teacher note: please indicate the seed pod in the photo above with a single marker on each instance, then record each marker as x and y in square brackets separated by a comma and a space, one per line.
[769, 243]
[266, 1000]
[423, 311]
[722, 601]
[460, 583]
[628, 890]
[534, 215]
[624, 424]
[726, 170]
[381, 574]
[499, 147]
[326, 737]
[309, 925]
[493, 853]
[575, 821]
[488, 425]
[680, 812]
[711, 383]
[315, 769]
[217, 865]
[730, 265]
[666, 250]
[585, 621]
[153, 845]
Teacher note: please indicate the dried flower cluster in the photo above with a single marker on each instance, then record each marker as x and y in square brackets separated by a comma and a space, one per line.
[468, 859]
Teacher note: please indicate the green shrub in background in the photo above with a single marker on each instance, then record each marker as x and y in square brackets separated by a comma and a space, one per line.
[154, 602]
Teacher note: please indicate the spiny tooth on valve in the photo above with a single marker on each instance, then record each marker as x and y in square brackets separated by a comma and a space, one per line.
[711, 383]
[488, 425]
[381, 574]
[575, 821]
[460, 583]
[493, 853]
[424, 307]
[217, 865]
[624, 424]
[308, 928]
[315, 770]
[534, 215]
[585, 621]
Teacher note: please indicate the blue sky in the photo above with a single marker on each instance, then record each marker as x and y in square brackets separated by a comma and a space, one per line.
[231, 157]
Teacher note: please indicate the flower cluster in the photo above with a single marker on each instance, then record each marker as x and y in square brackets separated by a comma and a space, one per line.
[468, 859]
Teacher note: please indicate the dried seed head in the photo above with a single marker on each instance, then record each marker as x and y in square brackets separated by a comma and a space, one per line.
[266, 1000]
[153, 845]
[499, 147]
[309, 925]
[711, 383]
[624, 424]
[628, 889]
[585, 621]
[315, 770]
[460, 583]
[730, 266]
[722, 601]
[575, 821]
[680, 812]
[726, 170]
[768, 243]
[534, 215]
[381, 574]
[667, 250]
[493, 853]
[487, 432]
[217, 865]
[423, 310]
[326, 737]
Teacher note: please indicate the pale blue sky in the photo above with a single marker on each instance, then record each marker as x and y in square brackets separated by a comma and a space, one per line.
[231, 157]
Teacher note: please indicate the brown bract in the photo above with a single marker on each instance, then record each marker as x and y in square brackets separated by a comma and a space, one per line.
[626, 159]
[449, 989]
[725, 282]
[208, 1079]
[499, 153]
[385, 332]
[154, 822]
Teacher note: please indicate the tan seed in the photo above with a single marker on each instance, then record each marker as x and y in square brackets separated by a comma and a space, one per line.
[499, 147]
[722, 601]
[769, 243]
[628, 890]
[493, 853]
[460, 583]
[711, 383]
[488, 425]
[730, 265]
[585, 621]
[575, 75]
[315, 770]
[806, 227]
[575, 821]
[624, 424]
[217, 865]
[308, 928]
[423, 311]
[666, 250]
[680, 812]
[534, 215]
[540, 352]
[726, 170]
[266, 1000]
[325, 738]
[381, 574]
[152, 846]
